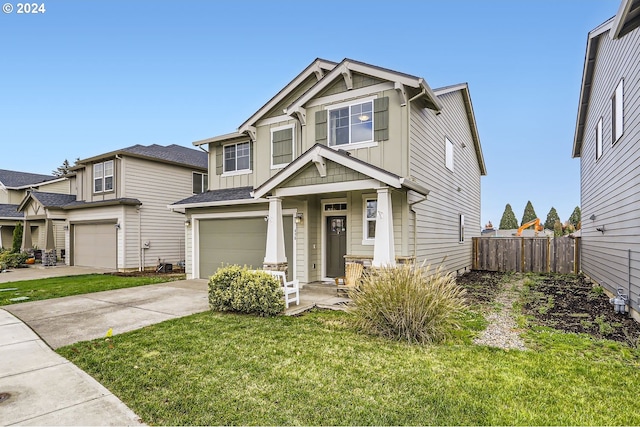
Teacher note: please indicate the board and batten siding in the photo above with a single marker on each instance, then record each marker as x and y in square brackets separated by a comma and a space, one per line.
[156, 185]
[610, 187]
[438, 216]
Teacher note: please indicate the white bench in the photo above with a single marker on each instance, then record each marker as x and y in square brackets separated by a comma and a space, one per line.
[291, 288]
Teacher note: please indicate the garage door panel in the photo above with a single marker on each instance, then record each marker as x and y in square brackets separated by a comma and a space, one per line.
[95, 245]
[239, 241]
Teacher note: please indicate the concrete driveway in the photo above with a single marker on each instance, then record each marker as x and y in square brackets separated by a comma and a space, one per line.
[67, 320]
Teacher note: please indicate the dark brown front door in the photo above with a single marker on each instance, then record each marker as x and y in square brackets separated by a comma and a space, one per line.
[336, 245]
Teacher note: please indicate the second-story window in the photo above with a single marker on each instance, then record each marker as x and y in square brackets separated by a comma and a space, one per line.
[617, 113]
[200, 182]
[351, 124]
[448, 154]
[237, 157]
[103, 177]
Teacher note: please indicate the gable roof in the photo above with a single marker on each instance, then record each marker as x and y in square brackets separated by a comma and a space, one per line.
[68, 201]
[318, 153]
[627, 19]
[349, 65]
[210, 197]
[173, 154]
[18, 180]
[587, 79]
[466, 96]
[10, 211]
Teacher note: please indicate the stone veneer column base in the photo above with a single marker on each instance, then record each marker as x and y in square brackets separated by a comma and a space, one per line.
[283, 266]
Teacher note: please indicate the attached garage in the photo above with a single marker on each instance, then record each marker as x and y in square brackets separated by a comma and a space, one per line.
[94, 245]
[239, 241]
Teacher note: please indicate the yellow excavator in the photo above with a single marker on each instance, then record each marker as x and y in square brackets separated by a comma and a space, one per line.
[536, 226]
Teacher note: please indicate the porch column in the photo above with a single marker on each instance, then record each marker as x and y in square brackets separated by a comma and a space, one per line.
[27, 242]
[384, 253]
[275, 257]
[49, 241]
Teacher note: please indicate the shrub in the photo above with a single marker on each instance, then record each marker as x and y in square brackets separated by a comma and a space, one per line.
[235, 288]
[408, 303]
[17, 238]
[12, 260]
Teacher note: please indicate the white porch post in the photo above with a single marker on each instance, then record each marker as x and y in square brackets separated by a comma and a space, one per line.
[384, 253]
[275, 257]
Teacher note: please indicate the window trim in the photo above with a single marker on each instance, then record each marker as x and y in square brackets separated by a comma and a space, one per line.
[291, 126]
[103, 177]
[366, 240]
[352, 145]
[617, 112]
[204, 177]
[460, 228]
[599, 139]
[448, 154]
[235, 171]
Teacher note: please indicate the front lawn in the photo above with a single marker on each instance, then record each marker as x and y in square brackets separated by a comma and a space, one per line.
[57, 287]
[228, 369]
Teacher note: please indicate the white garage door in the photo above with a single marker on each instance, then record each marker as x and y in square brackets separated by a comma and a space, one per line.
[239, 241]
[95, 245]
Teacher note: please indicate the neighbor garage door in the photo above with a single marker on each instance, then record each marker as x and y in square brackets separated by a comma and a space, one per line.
[239, 241]
[95, 245]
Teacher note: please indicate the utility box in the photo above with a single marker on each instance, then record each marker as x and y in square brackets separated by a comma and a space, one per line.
[165, 268]
[146, 244]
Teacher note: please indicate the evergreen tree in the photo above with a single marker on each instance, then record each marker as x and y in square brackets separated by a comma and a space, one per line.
[552, 217]
[557, 228]
[62, 170]
[17, 238]
[508, 221]
[529, 213]
[575, 217]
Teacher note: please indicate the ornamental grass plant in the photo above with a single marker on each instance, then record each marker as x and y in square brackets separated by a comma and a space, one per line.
[408, 303]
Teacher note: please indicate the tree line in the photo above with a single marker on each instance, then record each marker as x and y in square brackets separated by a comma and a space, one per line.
[552, 222]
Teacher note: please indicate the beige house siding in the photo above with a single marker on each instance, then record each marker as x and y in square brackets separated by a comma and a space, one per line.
[60, 187]
[438, 216]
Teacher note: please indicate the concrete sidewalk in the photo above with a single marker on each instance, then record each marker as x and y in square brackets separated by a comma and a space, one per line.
[39, 387]
[38, 271]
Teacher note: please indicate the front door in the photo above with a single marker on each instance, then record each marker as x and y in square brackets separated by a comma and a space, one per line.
[336, 245]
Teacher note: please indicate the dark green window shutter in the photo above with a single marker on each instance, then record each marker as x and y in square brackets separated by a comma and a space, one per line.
[219, 160]
[251, 155]
[282, 146]
[321, 127]
[381, 118]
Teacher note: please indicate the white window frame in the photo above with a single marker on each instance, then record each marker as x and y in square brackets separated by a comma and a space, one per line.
[204, 181]
[460, 228]
[448, 154]
[102, 177]
[617, 113]
[366, 239]
[599, 139]
[352, 145]
[293, 144]
[235, 171]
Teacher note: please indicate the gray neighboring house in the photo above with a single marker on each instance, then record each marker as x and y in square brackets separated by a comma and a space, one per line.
[607, 141]
[348, 162]
[14, 186]
[114, 215]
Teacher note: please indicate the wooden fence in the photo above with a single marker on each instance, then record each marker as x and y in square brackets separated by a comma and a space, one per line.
[527, 254]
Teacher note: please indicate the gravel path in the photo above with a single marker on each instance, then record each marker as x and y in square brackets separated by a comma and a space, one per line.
[502, 329]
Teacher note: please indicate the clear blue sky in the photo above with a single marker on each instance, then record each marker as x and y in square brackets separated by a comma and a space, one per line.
[88, 77]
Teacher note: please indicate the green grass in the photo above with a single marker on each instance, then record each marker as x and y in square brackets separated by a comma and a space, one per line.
[228, 369]
[57, 287]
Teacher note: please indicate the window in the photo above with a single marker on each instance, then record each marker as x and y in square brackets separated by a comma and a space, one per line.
[281, 146]
[351, 124]
[460, 228]
[448, 154]
[237, 157]
[599, 139]
[370, 215]
[617, 113]
[200, 182]
[103, 177]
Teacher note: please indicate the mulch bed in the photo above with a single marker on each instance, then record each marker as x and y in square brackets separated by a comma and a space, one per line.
[564, 302]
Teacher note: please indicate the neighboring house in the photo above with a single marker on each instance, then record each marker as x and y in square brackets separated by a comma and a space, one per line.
[348, 161]
[115, 215]
[14, 186]
[607, 139]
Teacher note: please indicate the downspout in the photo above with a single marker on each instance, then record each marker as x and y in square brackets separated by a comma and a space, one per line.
[140, 239]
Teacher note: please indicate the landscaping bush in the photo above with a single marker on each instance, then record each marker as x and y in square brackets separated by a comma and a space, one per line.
[12, 260]
[408, 303]
[235, 288]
